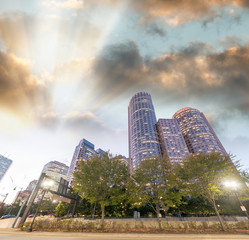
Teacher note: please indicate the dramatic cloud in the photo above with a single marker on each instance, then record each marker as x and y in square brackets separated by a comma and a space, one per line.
[195, 72]
[119, 67]
[19, 89]
[181, 11]
[69, 4]
[220, 77]
[155, 29]
[17, 30]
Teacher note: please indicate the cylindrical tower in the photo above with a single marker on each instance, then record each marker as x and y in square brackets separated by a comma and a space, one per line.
[143, 140]
[197, 132]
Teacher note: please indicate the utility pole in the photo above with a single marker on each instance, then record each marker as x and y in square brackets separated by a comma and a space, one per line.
[18, 215]
[38, 207]
[31, 199]
[243, 208]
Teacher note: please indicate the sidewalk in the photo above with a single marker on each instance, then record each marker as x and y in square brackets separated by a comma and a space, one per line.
[73, 235]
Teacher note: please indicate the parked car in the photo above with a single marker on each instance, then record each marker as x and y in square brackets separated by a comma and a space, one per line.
[32, 215]
[8, 216]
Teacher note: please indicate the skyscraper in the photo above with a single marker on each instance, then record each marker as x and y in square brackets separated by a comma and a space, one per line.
[4, 165]
[31, 185]
[84, 150]
[143, 140]
[197, 132]
[56, 170]
[171, 140]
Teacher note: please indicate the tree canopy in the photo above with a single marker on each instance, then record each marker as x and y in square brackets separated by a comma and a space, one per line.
[102, 179]
[154, 183]
[203, 175]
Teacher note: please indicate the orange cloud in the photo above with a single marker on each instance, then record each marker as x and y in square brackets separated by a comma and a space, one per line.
[19, 89]
[195, 72]
[69, 4]
[181, 11]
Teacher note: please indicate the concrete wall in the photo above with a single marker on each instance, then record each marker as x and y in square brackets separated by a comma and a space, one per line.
[7, 223]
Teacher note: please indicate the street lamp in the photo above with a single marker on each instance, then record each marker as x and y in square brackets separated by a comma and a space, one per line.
[234, 186]
[45, 185]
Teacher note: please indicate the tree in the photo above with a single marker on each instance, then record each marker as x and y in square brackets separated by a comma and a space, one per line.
[61, 209]
[102, 180]
[202, 175]
[197, 206]
[154, 184]
[48, 206]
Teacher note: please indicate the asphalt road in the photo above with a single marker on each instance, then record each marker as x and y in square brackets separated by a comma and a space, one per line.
[18, 235]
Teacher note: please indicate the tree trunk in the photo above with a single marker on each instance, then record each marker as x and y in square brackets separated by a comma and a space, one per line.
[218, 215]
[102, 215]
[158, 217]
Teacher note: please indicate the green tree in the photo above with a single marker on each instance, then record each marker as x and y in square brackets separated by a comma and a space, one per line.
[47, 206]
[61, 209]
[102, 180]
[202, 175]
[197, 206]
[155, 184]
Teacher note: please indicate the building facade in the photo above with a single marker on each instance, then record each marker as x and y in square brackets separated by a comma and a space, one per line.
[143, 140]
[84, 150]
[171, 140]
[4, 165]
[197, 132]
[21, 196]
[56, 170]
[187, 132]
[31, 185]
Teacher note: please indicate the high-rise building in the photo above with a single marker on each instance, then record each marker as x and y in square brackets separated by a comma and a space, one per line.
[56, 170]
[171, 140]
[143, 140]
[197, 132]
[21, 196]
[31, 185]
[84, 150]
[4, 165]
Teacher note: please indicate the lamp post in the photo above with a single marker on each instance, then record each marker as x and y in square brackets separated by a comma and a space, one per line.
[45, 186]
[234, 186]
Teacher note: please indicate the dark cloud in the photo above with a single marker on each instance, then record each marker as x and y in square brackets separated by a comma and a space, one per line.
[19, 89]
[119, 67]
[221, 77]
[155, 29]
[195, 72]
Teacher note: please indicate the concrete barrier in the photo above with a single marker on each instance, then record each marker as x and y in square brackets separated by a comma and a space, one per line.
[7, 223]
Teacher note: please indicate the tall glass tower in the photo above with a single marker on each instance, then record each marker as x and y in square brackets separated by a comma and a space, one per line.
[197, 132]
[143, 140]
[84, 150]
[4, 165]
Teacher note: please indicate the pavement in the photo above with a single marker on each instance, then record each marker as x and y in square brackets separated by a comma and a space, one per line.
[16, 234]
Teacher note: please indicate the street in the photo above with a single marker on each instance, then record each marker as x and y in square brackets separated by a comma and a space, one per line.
[9, 234]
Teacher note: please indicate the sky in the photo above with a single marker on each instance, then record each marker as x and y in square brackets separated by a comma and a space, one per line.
[68, 69]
